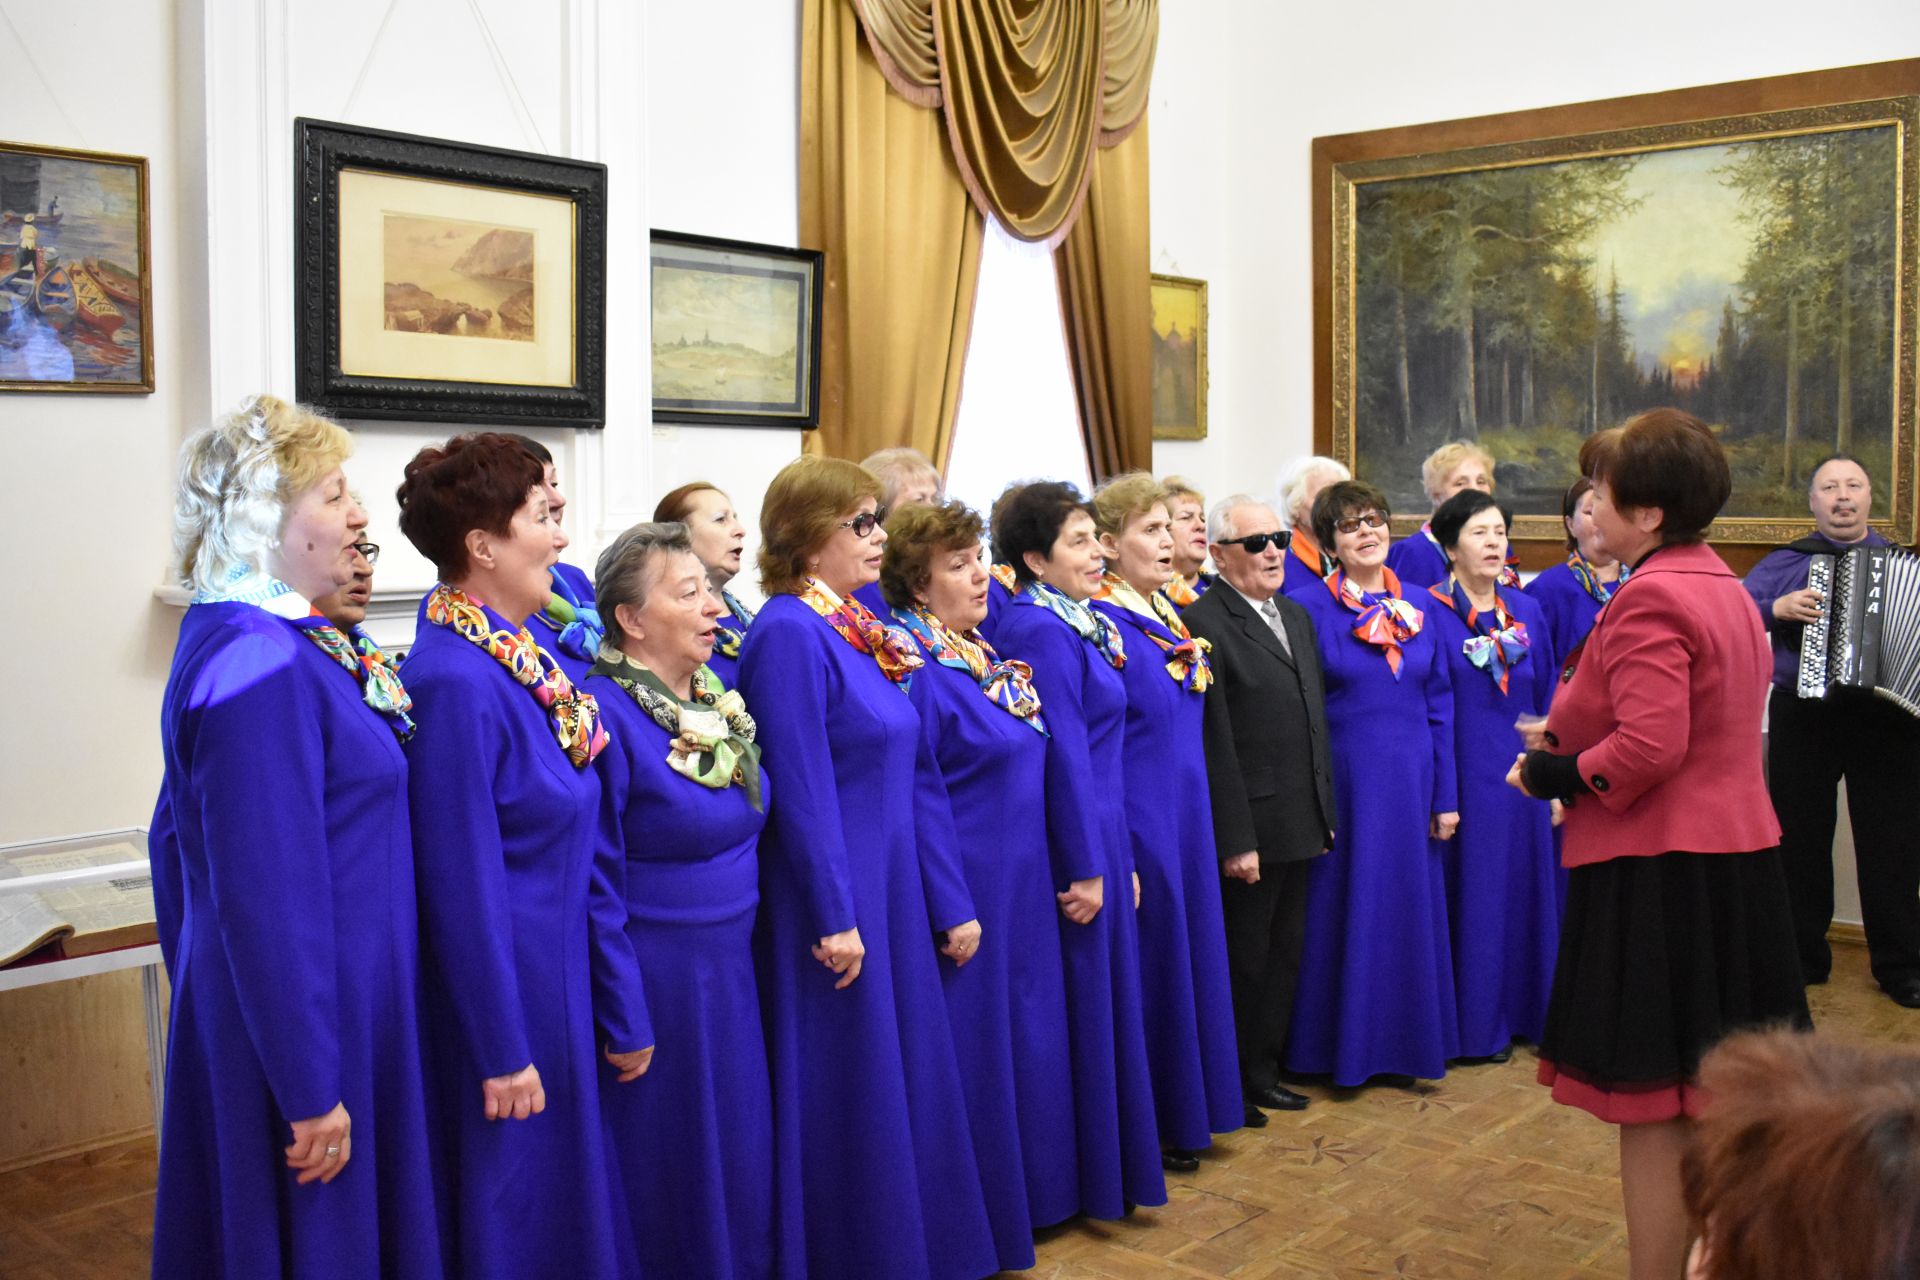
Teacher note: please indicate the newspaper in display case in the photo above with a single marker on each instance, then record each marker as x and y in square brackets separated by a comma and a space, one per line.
[86, 897]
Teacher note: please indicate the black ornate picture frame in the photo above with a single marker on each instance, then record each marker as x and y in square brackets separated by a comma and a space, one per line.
[441, 281]
[736, 332]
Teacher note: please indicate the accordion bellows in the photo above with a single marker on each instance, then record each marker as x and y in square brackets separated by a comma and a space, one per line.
[1868, 636]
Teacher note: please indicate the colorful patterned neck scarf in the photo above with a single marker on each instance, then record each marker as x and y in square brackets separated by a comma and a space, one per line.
[727, 637]
[368, 663]
[1509, 573]
[710, 737]
[1590, 580]
[577, 621]
[1007, 682]
[1005, 576]
[894, 652]
[1387, 621]
[1155, 615]
[576, 716]
[1182, 592]
[1307, 551]
[1096, 629]
[1498, 644]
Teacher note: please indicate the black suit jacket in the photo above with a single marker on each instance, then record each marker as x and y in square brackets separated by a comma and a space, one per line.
[1269, 763]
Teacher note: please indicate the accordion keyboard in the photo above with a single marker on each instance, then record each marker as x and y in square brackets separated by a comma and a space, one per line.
[1813, 642]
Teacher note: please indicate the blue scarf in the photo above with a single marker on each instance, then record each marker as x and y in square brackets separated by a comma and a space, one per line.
[1498, 644]
[1096, 629]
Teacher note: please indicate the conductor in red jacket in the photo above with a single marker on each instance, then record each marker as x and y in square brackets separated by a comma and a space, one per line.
[1677, 929]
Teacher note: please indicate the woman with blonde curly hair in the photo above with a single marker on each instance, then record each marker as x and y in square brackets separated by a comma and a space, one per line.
[1418, 559]
[1186, 996]
[295, 1128]
[863, 894]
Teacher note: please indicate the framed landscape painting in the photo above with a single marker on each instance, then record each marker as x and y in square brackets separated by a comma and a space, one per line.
[445, 282]
[736, 332]
[76, 299]
[1745, 252]
[1179, 358]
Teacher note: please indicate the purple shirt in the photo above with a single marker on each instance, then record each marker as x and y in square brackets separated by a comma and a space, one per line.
[1781, 572]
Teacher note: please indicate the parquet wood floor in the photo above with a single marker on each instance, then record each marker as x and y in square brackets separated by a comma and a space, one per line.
[1474, 1176]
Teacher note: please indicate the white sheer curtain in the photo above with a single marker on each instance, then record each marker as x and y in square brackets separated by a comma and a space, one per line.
[1017, 416]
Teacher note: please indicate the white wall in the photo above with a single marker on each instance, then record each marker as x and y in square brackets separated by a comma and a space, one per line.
[1243, 86]
[723, 145]
[86, 488]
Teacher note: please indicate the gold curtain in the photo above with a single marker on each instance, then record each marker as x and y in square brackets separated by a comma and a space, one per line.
[1028, 88]
[1106, 309]
[1036, 108]
[880, 193]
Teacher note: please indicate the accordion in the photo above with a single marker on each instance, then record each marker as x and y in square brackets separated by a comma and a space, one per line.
[1868, 633]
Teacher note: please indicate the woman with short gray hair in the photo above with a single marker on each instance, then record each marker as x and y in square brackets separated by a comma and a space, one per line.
[294, 1048]
[683, 780]
[1307, 561]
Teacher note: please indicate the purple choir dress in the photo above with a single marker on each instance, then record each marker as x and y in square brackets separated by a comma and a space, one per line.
[999, 596]
[293, 948]
[1376, 977]
[694, 1136]
[1008, 1004]
[528, 962]
[1084, 701]
[1417, 561]
[1185, 994]
[1567, 608]
[1299, 575]
[725, 661]
[1503, 885]
[573, 643]
[874, 1172]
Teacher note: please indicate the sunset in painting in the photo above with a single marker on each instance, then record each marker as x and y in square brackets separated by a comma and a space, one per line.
[1750, 283]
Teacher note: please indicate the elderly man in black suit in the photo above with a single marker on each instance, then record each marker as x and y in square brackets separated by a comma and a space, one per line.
[1270, 772]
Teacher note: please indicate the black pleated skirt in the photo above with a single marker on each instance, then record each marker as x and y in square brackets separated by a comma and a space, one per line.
[1660, 959]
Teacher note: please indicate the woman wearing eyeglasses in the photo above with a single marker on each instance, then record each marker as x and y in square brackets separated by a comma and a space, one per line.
[1185, 993]
[862, 893]
[1502, 887]
[1376, 997]
[1046, 532]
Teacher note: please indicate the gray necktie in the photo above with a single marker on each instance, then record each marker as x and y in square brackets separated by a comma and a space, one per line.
[1270, 610]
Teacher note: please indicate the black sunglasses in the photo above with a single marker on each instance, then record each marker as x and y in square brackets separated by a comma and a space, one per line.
[862, 524]
[369, 551]
[1255, 543]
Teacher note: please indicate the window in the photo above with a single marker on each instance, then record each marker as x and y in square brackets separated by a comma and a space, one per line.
[1017, 419]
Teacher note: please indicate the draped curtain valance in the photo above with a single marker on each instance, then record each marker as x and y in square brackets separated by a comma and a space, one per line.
[1028, 90]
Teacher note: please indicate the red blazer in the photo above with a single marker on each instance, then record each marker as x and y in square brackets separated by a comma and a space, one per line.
[1663, 705]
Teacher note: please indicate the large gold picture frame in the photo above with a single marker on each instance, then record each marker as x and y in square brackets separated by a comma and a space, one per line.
[1746, 251]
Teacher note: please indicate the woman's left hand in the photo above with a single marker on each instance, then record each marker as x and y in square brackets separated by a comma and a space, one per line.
[1136, 891]
[963, 940]
[1444, 825]
[1558, 810]
[631, 1066]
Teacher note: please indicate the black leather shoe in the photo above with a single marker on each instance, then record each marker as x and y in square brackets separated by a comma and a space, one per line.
[1255, 1118]
[1488, 1059]
[1173, 1160]
[1905, 993]
[1278, 1098]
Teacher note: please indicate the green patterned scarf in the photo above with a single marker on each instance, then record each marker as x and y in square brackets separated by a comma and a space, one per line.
[711, 736]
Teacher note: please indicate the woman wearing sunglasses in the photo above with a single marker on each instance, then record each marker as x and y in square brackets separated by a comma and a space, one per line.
[1376, 997]
[874, 1169]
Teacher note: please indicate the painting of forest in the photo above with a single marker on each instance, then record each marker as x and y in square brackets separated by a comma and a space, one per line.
[1752, 283]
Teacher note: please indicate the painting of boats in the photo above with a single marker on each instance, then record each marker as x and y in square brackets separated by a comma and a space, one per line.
[75, 303]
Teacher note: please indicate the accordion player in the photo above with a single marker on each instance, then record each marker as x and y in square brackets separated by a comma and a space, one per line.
[1843, 609]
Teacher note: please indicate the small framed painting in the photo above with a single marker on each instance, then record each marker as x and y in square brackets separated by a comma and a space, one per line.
[76, 298]
[1179, 358]
[443, 282]
[736, 332]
